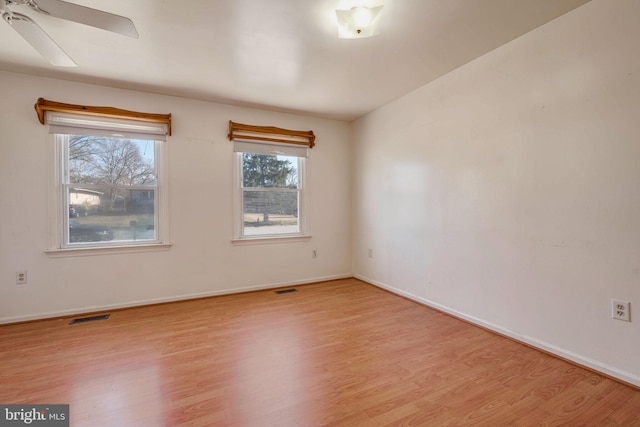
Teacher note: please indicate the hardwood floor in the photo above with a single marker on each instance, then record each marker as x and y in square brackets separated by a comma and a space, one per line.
[339, 353]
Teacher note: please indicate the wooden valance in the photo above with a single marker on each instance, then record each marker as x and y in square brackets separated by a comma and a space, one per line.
[271, 134]
[44, 105]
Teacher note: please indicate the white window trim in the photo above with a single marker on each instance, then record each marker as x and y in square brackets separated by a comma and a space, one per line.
[97, 250]
[56, 208]
[238, 223]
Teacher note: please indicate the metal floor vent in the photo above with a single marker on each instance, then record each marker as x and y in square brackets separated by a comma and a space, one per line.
[285, 291]
[89, 319]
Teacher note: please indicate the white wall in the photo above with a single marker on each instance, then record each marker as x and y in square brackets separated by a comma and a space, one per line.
[203, 260]
[508, 191]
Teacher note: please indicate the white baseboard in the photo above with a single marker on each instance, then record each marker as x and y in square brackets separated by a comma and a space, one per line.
[595, 365]
[96, 308]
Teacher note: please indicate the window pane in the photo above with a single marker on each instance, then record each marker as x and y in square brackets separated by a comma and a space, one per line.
[270, 212]
[102, 214]
[269, 171]
[113, 161]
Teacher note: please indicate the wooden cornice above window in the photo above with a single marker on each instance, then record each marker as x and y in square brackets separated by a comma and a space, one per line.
[44, 105]
[271, 134]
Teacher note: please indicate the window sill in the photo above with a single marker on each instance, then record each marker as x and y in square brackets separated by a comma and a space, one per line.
[105, 250]
[264, 240]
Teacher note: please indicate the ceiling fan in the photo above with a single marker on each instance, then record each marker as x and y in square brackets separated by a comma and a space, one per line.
[41, 41]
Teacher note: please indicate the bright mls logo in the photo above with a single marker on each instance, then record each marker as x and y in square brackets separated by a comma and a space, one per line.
[34, 415]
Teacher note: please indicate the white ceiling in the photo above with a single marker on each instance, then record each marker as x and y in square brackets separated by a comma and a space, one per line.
[282, 55]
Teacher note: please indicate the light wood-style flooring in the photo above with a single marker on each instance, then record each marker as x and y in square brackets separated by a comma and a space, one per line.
[340, 353]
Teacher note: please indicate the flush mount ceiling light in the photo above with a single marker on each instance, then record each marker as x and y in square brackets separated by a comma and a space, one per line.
[358, 22]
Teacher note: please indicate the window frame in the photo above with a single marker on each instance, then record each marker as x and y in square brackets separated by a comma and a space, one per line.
[238, 200]
[58, 201]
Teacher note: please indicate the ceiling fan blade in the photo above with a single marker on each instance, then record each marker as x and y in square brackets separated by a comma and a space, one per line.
[37, 38]
[86, 15]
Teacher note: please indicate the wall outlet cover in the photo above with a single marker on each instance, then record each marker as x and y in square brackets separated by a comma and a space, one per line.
[620, 310]
[21, 277]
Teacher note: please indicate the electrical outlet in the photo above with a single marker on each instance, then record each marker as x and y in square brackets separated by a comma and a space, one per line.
[314, 254]
[370, 253]
[621, 310]
[21, 277]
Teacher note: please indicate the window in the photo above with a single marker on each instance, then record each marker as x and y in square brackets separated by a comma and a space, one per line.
[271, 190]
[270, 196]
[110, 189]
